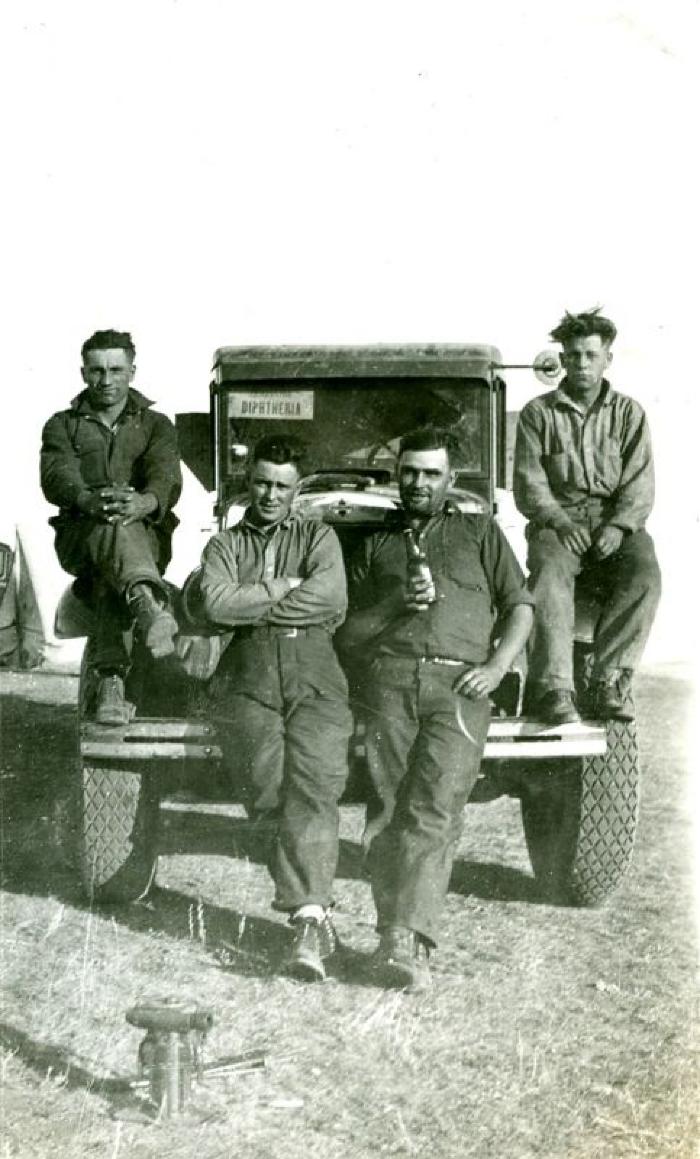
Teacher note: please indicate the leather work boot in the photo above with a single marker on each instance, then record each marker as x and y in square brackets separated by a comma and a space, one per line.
[314, 941]
[158, 626]
[557, 707]
[401, 960]
[612, 696]
[111, 706]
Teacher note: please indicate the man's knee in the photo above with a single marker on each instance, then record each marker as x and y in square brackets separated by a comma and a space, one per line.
[549, 562]
[639, 565]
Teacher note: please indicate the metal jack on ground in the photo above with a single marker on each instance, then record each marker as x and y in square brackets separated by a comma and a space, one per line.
[170, 1056]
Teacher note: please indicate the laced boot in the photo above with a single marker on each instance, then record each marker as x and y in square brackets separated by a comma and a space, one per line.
[612, 696]
[557, 707]
[111, 705]
[401, 960]
[314, 941]
[156, 623]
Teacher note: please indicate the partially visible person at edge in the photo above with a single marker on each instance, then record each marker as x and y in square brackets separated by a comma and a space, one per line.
[111, 465]
[433, 661]
[584, 477]
[279, 695]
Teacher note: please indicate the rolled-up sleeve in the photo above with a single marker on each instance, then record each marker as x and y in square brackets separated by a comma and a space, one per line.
[225, 600]
[508, 586]
[321, 597]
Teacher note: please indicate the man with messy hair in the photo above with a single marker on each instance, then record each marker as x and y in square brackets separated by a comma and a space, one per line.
[584, 477]
[111, 466]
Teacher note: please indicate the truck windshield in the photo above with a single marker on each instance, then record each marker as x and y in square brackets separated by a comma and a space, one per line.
[350, 424]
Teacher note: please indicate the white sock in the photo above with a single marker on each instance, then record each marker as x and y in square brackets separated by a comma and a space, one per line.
[311, 910]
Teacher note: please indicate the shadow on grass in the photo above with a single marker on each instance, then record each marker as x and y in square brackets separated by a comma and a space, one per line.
[56, 1064]
[38, 747]
[202, 834]
[494, 883]
[243, 945]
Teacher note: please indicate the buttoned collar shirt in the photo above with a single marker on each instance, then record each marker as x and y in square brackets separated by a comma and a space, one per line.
[572, 463]
[476, 575]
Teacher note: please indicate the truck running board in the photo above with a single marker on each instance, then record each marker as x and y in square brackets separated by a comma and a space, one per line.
[511, 738]
[508, 739]
[145, 739]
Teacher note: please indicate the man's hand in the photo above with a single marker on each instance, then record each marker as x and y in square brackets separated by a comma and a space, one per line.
[92, 503]
[478, 681]
[575, 539]
[419, 593]
[294, 581]
[118, 504]
[133, 507]
[606, 541]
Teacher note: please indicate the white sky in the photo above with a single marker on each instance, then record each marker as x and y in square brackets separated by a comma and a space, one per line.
[204, 172]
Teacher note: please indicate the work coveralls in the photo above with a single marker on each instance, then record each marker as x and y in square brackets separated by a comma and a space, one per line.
[425, 742]
[79, 453]
[591, 468]
[279, 694]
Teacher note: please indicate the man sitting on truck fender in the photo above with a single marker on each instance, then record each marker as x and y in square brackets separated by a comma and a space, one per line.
[584, 478]
[111, 465]
[279, 695]
[433, 663]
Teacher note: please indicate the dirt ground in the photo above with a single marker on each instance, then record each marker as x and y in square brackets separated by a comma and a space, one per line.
[550, 1032]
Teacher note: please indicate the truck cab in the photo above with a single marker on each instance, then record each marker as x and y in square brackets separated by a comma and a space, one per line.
[350, 406]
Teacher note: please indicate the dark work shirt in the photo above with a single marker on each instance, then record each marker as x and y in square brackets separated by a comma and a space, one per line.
[246, 572]
[79, 453]
[477, 578]
[565, 455]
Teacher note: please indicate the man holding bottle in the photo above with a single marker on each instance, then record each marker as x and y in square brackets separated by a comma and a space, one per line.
[425, 593]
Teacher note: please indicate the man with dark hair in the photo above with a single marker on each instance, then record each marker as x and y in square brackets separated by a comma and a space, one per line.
[111, 465]
[427, 633]
[280, 696]
[584, 477]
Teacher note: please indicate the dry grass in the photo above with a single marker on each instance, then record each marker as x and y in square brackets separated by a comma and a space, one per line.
[550, 1032]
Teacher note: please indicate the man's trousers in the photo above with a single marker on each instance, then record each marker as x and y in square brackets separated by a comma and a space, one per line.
[628, 586]
[108, 558]
[281, 706]
[424, 748]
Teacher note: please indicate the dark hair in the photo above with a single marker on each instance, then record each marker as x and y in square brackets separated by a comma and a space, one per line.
[109, 340]
[429, 439]
[583, 325]
[278, 449]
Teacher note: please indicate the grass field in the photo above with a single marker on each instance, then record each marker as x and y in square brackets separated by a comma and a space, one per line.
[550, 1032]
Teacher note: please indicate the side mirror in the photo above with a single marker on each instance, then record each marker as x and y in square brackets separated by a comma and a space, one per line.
[547, 367]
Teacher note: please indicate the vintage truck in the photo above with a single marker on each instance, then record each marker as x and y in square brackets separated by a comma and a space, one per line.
[577, 784]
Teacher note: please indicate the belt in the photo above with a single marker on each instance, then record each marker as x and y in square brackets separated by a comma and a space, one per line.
[593, 504]
[277, 630]
[446, 660]
[442, 660]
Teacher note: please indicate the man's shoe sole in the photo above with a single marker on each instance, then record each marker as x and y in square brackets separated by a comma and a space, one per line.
[395, 975]
[622, 714]
[304, 969]
[114, 719]
[565, 718]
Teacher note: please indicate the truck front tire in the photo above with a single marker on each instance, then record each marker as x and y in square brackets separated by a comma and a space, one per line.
[580, 819]
[119, 822]
[118, 810]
